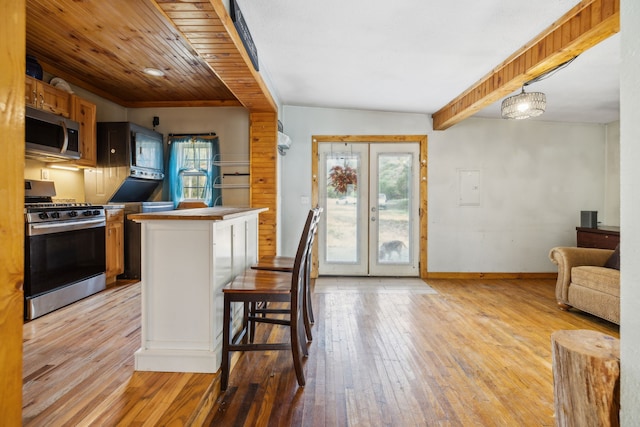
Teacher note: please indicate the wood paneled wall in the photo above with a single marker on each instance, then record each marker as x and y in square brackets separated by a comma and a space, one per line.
[263, 139]
[12, 54]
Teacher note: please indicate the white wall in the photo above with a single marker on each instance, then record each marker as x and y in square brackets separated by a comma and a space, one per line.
[300, 123]
[106, 111]
[612, 177]
[630, 212]
[231, 124]
[536, 177]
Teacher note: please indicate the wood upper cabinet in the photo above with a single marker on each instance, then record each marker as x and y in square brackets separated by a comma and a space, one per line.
[43, 96]
[31, 91]
[84, 112]
[114, 244]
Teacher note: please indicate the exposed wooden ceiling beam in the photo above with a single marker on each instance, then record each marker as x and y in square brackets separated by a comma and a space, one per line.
[584, 26]
[207, 26]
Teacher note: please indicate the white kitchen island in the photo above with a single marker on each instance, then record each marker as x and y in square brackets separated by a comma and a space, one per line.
[188, 256]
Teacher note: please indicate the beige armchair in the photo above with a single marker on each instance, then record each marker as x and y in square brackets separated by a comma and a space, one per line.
[585, 283]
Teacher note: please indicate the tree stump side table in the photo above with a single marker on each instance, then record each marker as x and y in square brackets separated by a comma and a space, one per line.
[586, 378]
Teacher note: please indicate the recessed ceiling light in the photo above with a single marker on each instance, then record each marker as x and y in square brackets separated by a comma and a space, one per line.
[153, 72]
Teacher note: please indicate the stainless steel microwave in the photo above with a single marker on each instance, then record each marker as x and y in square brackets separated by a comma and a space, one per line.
[50, 137]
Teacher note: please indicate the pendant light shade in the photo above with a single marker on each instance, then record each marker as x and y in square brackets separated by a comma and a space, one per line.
[524, 105]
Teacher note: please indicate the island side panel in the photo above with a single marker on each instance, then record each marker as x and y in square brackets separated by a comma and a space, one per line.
[243, 246]
[185, 265]
[177, 297]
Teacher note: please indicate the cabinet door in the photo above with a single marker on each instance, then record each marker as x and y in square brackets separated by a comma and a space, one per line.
[118, 256]
[54, 100]
[114, 244]
[41, 95]
[84, 112]
[31, 91]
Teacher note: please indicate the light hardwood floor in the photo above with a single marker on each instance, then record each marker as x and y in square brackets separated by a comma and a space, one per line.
[476, 353]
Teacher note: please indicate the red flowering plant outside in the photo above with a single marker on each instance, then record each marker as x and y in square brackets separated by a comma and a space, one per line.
[341, 177]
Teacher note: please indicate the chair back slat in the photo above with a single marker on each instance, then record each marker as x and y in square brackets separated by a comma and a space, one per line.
[313, 231]
[301, 254]
[298, 286]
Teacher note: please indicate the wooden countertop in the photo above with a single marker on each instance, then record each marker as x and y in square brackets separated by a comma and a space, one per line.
[109, 206]
[217, 213]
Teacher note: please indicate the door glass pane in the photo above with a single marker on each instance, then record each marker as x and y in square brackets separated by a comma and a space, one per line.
[394, 192]
[343, 175]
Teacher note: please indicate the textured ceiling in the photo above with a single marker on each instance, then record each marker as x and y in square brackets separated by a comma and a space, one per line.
[417, 55]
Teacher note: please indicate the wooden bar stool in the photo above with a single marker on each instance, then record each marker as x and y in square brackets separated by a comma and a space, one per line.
[285, 264]
[253, 286]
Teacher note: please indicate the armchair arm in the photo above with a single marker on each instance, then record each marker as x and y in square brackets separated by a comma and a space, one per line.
[568, 257]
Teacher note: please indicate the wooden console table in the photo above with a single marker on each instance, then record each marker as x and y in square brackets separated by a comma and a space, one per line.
[603, 237]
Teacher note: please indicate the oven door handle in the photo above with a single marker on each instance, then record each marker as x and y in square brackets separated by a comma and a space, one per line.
[57, 227]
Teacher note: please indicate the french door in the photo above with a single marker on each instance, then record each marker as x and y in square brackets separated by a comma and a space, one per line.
[370, 196]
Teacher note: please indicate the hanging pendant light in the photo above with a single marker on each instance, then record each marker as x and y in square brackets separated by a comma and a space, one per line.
[529, 104]
[524, 105]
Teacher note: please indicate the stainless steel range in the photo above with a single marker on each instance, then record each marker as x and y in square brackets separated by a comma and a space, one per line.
[64, 250]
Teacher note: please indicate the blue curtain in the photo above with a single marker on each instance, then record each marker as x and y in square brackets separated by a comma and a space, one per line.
[191, 170]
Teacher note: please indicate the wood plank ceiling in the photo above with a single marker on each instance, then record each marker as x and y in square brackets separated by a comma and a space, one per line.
[104, 46]
[209, 30]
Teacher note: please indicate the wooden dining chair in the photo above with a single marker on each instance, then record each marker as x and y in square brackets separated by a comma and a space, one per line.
[285, 264]
[254, 286]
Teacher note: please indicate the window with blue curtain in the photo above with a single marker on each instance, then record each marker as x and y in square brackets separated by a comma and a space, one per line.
[191, 170]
